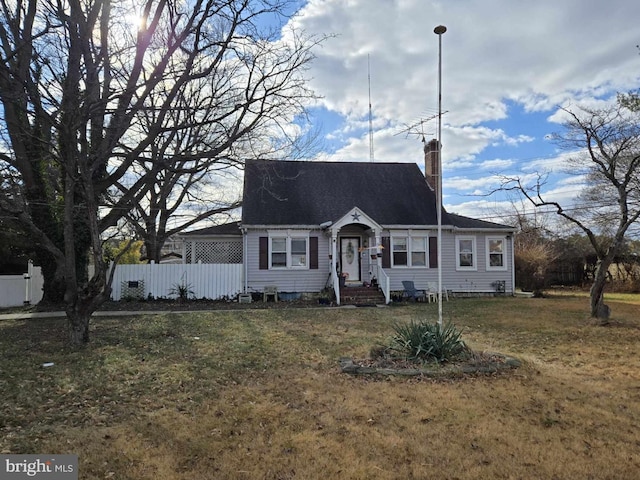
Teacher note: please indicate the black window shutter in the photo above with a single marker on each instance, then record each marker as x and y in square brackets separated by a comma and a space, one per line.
[264, 253]
[313, 253]
[386, 252]
[433, 252]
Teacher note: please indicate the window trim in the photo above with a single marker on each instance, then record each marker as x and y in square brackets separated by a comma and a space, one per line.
[408, 237]
[488, 240]
[271, 252]
[406, 251]
[288, 250]
[425, 250]
[474, 255]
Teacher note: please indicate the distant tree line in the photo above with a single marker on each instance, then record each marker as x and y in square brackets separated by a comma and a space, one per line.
[543, 260]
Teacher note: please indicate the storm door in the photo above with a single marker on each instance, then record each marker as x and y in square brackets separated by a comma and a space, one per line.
[350, 258]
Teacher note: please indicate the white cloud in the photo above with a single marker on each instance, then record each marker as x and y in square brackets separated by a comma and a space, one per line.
[476, 186]
[539, 55]
[496, 164]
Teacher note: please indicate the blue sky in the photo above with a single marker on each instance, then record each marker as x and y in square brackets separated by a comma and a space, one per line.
[507, 67]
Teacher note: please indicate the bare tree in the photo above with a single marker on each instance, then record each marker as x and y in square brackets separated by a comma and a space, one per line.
[77, 83]
[197, 169]
[608, 140]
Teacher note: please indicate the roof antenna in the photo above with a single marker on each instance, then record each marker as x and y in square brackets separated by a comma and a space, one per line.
[370, 118]
[416, 128]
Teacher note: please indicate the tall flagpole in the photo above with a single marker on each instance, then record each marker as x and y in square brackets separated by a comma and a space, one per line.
[370, 115]
[439, 30]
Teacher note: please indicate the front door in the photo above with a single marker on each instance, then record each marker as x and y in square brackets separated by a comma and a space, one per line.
[350, 257]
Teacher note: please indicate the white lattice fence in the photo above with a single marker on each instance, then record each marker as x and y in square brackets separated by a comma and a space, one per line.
[213, 251]
[212, 281]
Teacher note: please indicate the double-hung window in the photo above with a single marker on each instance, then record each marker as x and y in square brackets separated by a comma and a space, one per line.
[410, 251]
[278, 252]
[289, 252]
[418, 251]
[466, 253]
[496, 249]
[400, 251]
[298, 252]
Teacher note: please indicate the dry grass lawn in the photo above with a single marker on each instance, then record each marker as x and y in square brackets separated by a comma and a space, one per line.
[257, 394]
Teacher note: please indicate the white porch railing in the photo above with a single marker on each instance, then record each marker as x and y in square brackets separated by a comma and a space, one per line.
[336, 286]
[384, 284]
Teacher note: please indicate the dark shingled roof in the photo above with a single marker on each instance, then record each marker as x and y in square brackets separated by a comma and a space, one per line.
[461, 221]
[232, 228]
[311, 193]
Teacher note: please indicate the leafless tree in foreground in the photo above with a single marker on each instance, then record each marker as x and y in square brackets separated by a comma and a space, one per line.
[608, 140]
[90, 90]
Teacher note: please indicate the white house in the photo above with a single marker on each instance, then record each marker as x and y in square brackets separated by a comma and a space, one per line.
[306, 224]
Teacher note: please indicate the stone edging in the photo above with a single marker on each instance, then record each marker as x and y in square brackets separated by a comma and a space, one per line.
[347, 365]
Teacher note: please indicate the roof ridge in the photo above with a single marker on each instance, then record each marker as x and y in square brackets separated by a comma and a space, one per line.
[329, 162]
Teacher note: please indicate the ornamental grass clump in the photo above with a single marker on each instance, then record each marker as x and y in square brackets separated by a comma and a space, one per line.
[422, 340]
[184, 291]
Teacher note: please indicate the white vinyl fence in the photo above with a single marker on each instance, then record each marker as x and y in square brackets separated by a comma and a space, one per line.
[18, 290]
[211, 281]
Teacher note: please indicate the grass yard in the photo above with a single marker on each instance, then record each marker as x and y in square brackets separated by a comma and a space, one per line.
[257, 394]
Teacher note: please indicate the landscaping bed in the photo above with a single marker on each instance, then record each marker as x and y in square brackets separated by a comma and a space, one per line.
[476, 363]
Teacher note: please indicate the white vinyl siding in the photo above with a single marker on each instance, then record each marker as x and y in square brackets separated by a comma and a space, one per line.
[298, 279]
[466, 281]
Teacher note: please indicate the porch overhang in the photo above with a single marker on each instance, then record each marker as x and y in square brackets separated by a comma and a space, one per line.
[355, 216]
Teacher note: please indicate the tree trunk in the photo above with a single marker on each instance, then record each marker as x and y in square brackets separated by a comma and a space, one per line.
[79, 314]
[81, 303]
[598, 308]
[153, 249]
[54, 284]
[78, 322]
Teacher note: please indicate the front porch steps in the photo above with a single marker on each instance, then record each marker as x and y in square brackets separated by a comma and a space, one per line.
[361, 296]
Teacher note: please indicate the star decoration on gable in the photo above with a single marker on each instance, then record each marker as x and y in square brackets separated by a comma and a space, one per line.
[355, 217]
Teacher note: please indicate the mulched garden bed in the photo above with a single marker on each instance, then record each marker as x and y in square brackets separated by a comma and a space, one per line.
[475, 363]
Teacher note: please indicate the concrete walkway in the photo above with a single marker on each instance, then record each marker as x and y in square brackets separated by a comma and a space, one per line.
[108, 313]
[123, 313]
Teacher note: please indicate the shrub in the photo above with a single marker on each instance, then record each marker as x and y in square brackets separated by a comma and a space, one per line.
[184, 291]
[421, 340]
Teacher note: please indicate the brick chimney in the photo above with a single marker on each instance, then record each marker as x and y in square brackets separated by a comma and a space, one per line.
[431, 173]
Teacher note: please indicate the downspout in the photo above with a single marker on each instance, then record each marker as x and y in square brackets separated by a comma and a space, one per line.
[334, 276]
[245, 268]
[513, 264]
